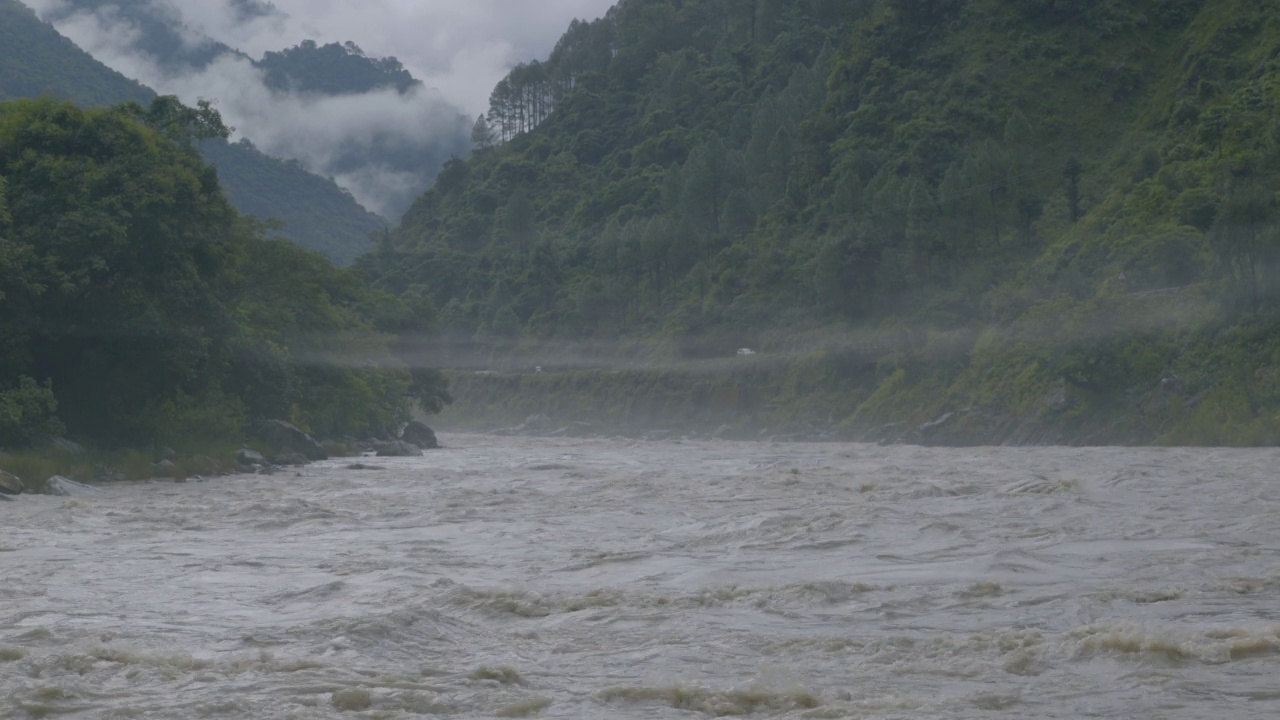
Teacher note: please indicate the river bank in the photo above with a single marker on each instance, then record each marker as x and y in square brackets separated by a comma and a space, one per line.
[1197, 384]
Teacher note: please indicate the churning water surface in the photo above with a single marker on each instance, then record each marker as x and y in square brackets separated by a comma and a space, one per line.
[515, 577]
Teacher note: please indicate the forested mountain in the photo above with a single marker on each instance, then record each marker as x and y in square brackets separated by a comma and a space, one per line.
[385, 143]
[1034, 189]
[137, 306]
[333, 69]
[315, 212]
[35, 59]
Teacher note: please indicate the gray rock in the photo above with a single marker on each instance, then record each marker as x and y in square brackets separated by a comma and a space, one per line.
[6, 498]
[10, 484]
[399, 448]
[164, 465]
[537, 423]
[203, 465]
[1058, 400]
[289, 459]
[58, 485]
[166, 453]
[286, 439]
[418, 434]
[250, 457]
[68, 446]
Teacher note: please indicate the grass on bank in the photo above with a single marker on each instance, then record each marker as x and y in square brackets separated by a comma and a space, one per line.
[36, 465]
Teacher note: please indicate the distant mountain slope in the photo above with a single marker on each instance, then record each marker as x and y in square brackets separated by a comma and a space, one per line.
[690, 165]
[333, 69]
[1036, 221]
[263, 186]
[35, 60]
[317, 214]
[384, 135]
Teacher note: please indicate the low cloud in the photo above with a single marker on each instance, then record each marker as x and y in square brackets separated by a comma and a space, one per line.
[459, 48]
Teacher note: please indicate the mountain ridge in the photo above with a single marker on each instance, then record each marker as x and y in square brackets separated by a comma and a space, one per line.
[1032, 201]
[36, 60]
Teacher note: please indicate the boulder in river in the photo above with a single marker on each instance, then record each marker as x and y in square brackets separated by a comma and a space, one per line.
[10, 484]
[399, 448]
[294, 459]
[250, 457]
[287, 439]
[58, 485]
[420, 435]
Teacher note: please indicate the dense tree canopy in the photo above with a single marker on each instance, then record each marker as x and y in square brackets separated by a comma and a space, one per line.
[138, 299]
[317, 214]
[683, 165]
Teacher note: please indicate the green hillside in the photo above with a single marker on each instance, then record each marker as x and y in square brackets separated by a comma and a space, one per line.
[138, 307]
[35, 60]
[1011, 215]
[333, 69]
[316, 213]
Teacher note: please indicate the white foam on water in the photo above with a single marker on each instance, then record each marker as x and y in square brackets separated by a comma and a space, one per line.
[567, 578]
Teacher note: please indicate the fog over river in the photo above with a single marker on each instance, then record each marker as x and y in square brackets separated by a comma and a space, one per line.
[511, 577]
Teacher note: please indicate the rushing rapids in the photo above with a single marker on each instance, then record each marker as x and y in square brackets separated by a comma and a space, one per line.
[509, 577]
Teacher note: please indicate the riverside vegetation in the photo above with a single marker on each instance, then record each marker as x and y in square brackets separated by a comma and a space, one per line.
[139, 309]
[957, 221]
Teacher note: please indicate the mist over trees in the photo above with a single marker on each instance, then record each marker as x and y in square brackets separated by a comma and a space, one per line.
[35, 60]
[360, 120]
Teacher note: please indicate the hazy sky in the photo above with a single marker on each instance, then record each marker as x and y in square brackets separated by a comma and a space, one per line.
[459, 48]
[462, 47]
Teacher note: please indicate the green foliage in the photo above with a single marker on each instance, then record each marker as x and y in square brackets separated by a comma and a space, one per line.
[1045, 203]
[845, 160]
[35, 60]
[312, 212]
[315, 213]
[28, 412]
[332, 69]
[158, 313]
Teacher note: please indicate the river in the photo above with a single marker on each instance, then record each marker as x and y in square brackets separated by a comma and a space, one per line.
[565, 578]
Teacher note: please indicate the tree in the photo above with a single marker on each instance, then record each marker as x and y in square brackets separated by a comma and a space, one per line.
[131, 243]
[1072, 173]
[482, 135]
[179, 123]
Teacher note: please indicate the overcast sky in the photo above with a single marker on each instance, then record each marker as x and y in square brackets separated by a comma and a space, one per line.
[459, 48]
[462, 47]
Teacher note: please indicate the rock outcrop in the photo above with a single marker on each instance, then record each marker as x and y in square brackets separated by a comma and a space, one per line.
[398, 448]
[10, 484]
[69, 447]
[58, 485]
[418, 434]
[286, 439]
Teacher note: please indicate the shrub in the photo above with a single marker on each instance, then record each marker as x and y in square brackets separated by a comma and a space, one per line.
[28, 412]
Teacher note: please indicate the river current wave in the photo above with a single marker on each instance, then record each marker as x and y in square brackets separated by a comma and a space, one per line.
[566, 578]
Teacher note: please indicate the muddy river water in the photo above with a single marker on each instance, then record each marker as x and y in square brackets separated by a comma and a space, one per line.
[520, 577]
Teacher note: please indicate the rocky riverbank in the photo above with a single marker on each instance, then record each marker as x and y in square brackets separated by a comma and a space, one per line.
[63, 467]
